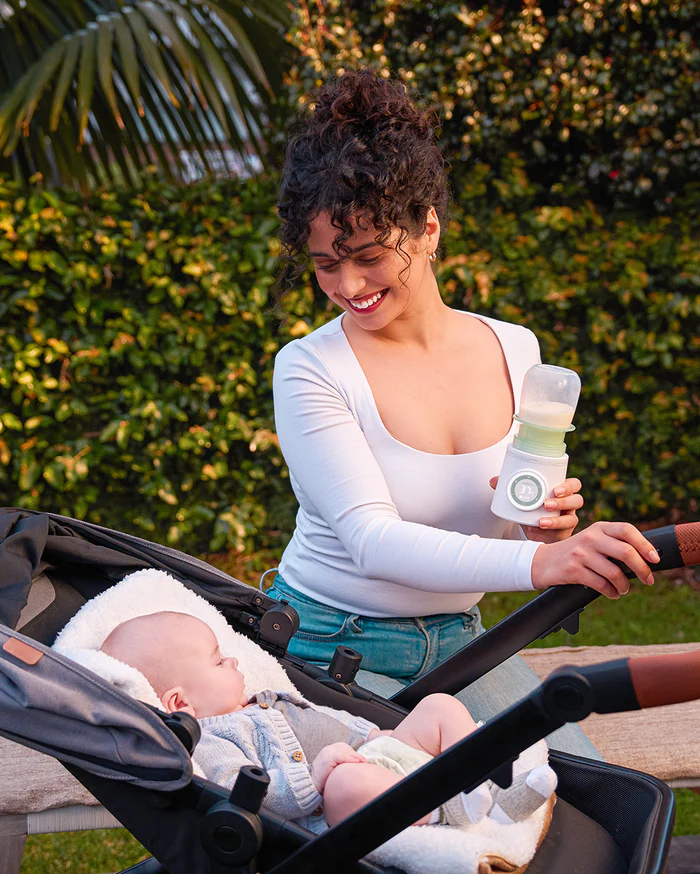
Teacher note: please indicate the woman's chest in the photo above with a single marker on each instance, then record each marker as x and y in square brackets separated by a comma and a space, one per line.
[445, 405]
[450, 492]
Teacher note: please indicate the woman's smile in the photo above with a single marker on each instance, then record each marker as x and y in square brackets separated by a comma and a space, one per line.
[363, 275]
[369, 303]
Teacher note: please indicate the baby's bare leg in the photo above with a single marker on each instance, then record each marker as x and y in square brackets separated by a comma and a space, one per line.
[435, 723]
[352, 785]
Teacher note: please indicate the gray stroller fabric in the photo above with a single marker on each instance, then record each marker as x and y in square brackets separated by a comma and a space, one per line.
[59, 708]
[19, 559]
[30, 543]
[92, 559]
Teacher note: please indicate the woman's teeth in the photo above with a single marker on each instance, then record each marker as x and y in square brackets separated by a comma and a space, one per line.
[368, 302]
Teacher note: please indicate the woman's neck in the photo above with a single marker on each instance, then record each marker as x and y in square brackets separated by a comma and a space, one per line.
[422, 325]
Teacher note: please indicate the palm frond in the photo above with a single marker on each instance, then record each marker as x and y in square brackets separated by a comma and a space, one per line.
[89, 86]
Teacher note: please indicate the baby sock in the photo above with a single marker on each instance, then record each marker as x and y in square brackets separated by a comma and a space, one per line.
[524, 796]
[467, 807]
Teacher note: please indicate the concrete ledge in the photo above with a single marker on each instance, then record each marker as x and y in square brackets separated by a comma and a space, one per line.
[33, 782]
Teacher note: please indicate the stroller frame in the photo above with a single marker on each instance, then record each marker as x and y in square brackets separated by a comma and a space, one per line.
[567, 695]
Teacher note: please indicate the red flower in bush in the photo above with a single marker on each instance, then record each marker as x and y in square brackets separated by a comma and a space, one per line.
[613, 174]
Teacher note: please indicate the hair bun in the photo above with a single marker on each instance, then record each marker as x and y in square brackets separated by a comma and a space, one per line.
[361, 100]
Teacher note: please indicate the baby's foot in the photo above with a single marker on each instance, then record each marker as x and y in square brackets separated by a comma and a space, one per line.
[526, 794]
[467, 807]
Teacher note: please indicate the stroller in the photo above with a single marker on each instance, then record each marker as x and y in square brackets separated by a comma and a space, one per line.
[136, 760]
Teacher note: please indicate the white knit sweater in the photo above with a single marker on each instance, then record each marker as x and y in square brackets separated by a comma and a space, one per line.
[260, 735]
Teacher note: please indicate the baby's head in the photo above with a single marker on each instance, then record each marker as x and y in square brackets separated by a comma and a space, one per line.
[179, 656]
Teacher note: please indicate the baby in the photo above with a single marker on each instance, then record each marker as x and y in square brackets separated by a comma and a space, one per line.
[316, 757]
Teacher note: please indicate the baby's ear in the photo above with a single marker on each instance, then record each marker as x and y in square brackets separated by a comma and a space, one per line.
[176, 701]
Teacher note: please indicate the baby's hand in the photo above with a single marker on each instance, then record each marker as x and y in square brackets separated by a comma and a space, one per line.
[328, 758]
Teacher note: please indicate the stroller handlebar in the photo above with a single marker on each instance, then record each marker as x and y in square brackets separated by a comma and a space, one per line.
[665, 679]
[678, 546]
[572, 692]
[688, 538]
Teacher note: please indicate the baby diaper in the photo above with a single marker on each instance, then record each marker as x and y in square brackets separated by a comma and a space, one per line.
[394, 755]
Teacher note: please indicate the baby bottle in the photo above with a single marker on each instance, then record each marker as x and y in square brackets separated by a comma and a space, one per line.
[536, 461]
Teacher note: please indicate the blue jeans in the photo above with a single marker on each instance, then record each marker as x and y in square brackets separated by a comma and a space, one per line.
[397, 651]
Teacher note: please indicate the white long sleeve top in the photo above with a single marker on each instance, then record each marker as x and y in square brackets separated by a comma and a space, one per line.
[383, 529]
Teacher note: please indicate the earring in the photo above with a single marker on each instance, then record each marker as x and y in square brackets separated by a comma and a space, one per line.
[432, 257]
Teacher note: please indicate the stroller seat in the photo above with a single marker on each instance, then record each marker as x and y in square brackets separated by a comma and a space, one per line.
[151, 591]
[626, 816]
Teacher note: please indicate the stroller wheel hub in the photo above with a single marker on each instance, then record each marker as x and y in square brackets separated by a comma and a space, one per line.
[227, 838]
[231, 835]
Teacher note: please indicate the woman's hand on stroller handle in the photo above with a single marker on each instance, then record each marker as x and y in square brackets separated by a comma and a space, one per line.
[585, 559]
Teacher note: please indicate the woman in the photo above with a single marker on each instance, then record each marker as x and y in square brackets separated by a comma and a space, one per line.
[394, 418]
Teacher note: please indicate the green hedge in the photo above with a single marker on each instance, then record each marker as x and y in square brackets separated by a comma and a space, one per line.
[135, 359]
[137, 344]
[616, 298]
[601, 98]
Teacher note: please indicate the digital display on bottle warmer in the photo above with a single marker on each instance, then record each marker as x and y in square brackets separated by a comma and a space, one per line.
[527, 490]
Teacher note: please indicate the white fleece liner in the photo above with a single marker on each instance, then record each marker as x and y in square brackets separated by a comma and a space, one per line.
[435, 849]
[416, 850]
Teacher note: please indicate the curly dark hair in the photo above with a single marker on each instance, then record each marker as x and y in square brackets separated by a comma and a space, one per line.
[367, 151]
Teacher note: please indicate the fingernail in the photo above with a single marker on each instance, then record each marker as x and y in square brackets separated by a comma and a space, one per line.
[550, 504]
[545, 523]
[559, 492]
[650, 580]
[654, 555]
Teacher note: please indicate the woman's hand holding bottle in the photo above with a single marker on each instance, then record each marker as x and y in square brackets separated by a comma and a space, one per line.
[552, 529]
